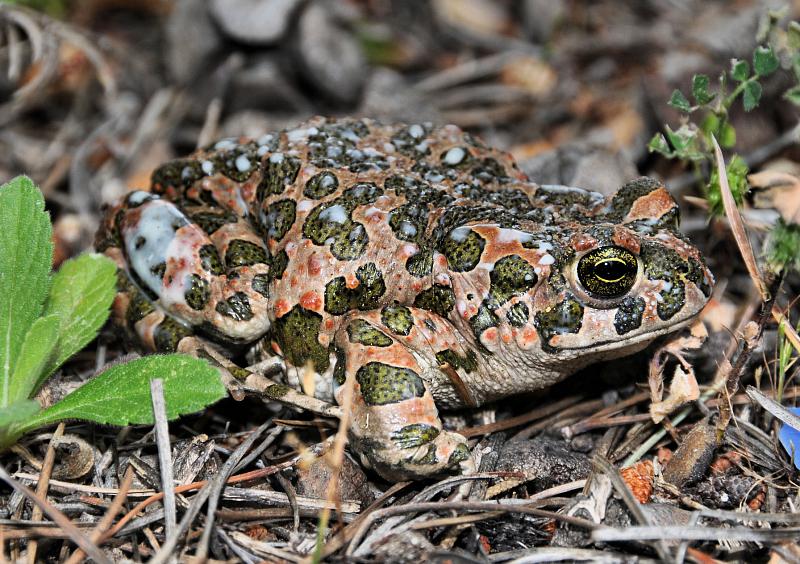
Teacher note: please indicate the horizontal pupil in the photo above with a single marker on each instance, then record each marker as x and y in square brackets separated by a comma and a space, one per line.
[612, 270]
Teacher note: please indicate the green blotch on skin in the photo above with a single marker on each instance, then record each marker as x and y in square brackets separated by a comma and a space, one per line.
[276, 175]
[468, 362]
[225, 162]
[564, 317]
[340, 299]
[244, 253]
[237, 307]
[518, 314]
[696, 274]
[512, 275]
[138, 307]
[260, 284]
[347, 239]
[430, 458]
[629, 315]
[462, 251]
[340, 368]
[398, 319]
[198, 293]
[383, 384]
[297, 334]
[210, 261]
[483, 320]
[415, 435]
[168, 334]
[320, 185]
[279, 263]
[438, 299]
[210, 221]
[238, 372]
[176, 174]
[277, 391]
[408, 222]
[420, 264]
[663, 263]
[279, 218]
[364, 333]
[459, 454]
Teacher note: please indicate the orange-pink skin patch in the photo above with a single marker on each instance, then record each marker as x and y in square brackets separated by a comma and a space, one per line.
[311, 300]
[624, 238]
[583, 242]
[315, 264]
[652, 205]
[282, 307]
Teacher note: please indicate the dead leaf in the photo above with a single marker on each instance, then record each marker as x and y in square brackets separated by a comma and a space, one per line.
[779, 191]
[682, 389]
[737, 225]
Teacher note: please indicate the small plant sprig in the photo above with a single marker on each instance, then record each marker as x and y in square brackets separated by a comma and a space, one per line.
[707, 119]
[45, 319]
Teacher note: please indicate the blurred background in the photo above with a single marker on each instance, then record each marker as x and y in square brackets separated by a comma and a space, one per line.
[95, 93]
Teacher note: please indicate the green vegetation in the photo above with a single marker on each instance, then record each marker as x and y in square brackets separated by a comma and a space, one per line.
[46, 318]
[706, 118]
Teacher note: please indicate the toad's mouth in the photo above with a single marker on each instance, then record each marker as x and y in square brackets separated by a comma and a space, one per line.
[615, 344]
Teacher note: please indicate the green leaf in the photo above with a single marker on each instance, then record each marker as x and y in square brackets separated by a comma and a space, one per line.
[700, 89]
[121, 394]
[81, 295]
[793, 95]
[727, 137]
[764, 60]
[736, 171]
[36, 352]
[783, 247]
[679, 102]
[658, 144]
[752, 94]
[25, 257]
[684, 141]
[18, 411]
[740, 70]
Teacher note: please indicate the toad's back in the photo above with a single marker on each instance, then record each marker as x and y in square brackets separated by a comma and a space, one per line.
[413, 259]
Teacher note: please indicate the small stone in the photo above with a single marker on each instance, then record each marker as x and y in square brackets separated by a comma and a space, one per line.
[314, 481]
[544, 461]
[588, 165]
[263, 85]
[329, 57]
[255, 22]
[388, 96]
[192, 39]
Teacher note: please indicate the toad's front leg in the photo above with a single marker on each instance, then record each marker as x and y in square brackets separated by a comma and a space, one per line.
[395, 428]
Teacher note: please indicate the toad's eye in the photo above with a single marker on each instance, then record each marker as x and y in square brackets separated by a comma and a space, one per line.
[608, 272]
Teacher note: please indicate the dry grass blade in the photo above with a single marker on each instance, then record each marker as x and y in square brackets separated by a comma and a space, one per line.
[60, 519]
[737, 225]
[773, 407]
[42, 485]
[108, 518]
[164, 454]
[741, 534]
[788, 330]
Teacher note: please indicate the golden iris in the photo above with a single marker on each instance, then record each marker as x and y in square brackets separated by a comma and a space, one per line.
[608, 272]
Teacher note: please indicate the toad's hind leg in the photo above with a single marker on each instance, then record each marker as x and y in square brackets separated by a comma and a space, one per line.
[178, 276]
[395, 424]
